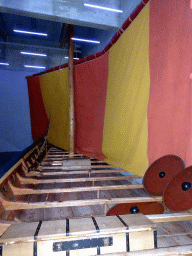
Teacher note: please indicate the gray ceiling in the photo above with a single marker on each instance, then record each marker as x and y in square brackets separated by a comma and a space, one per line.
[51, 17]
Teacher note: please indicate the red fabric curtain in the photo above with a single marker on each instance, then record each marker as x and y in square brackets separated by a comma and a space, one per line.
[170, 50]
[90, 84]
[39, 120]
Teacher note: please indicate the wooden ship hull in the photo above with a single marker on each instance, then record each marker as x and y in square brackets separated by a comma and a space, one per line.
[49, 187]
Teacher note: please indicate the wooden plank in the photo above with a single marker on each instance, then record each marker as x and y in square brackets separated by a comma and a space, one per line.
[24, 191]
[76, 175]
[30, 215]
[89, 172]
[172, 251]
[170, 217]
[163, 242]
[16, 232]
[13, 242]
[81, 227]
[109, 225]
[39, 181]
[180, 231]
[61, 162]
[57, 213]
[187, 234]
[55, 228]
[140, 241]
[138, 221]
[17, 206]
[78, 167]
[45, 248]
[18, 249]
[66, 157]
[122, 193]
[85, 210]
[180, 240]
[62, 154]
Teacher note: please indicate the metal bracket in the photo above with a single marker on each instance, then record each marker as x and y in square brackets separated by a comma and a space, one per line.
[82, 244]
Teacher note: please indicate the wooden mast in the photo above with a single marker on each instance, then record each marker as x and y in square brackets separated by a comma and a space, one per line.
[71, 91]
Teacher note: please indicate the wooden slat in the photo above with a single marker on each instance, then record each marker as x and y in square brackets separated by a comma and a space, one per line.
[62, 154]
[40, 181]
[17, 206]
[23, 191]
[60, 161]
[76, 167]
[17, 231]
[170, 217]
[172, 251]
[177, 235]
[65, 156]
[90, 171]
[60, 172]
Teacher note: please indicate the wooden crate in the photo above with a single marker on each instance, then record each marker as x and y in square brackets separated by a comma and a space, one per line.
[86, 236]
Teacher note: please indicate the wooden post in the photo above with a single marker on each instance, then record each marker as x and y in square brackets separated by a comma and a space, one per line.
[71, 91]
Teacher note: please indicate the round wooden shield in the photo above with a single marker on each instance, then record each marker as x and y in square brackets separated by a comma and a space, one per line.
[161, 172]
[178, 193]
[131, 208]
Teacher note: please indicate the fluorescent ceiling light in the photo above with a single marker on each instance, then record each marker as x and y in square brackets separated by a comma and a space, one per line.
[28, 66]
[34, 54]
[103, 8]
[85, 40]
[73, 58]
[29, 32]
[5, 64]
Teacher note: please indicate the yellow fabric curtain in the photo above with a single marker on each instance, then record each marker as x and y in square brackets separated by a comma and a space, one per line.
[125, 133]
[55, 92]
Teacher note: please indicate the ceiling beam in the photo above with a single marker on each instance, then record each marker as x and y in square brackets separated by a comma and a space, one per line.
[69, 12]
[37, 47]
